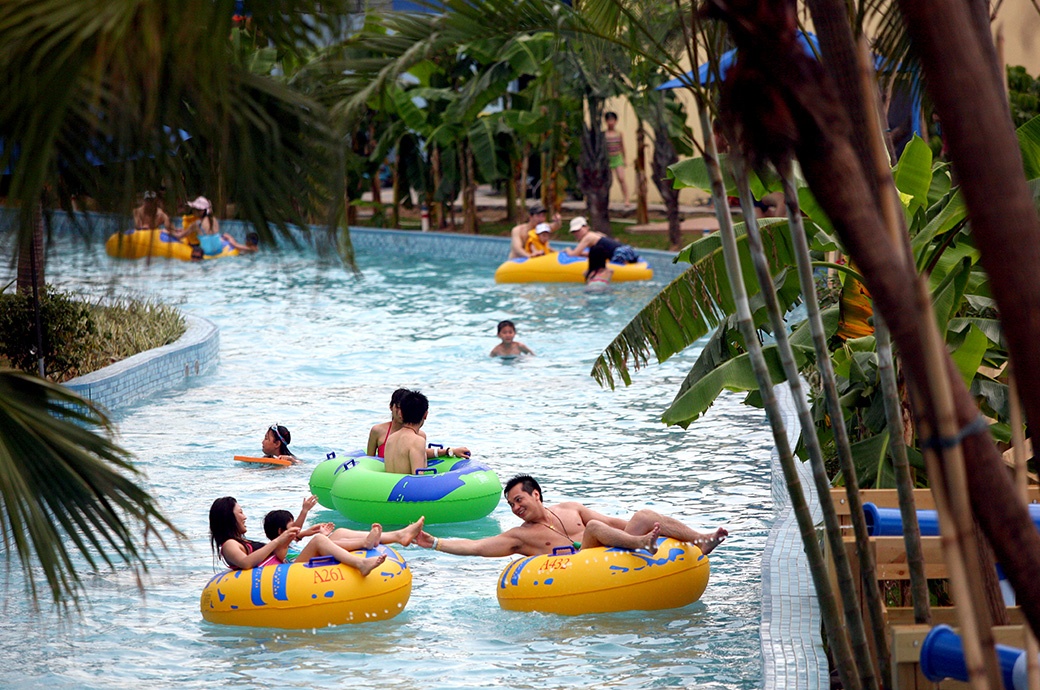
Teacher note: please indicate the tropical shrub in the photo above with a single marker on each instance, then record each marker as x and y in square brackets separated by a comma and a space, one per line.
[67, 328]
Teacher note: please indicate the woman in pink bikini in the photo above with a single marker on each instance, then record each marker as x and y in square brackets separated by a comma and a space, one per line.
[380, 432]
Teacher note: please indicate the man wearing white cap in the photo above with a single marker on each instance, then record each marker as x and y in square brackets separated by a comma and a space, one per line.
[600, 249]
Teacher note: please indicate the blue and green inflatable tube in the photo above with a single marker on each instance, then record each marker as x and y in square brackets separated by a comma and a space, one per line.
[448, 490]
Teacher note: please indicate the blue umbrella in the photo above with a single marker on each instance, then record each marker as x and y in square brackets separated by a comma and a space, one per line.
[810, 44]
[704, 76]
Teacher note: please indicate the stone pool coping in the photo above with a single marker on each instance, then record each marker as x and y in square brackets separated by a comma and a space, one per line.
[152, 371]
[791, 644]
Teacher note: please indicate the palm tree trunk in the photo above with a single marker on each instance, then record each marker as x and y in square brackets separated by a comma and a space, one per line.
[665, 156]
[30, 257]
[642, 211]
[30, 279]
[470, 222]
[511, 188]
[395, 213]
[436, 210]
[521, 180]
[594, 170]
[833, 628]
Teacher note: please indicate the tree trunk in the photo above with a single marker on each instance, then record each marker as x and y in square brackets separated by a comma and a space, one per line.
[395, 213]
[436, 210]
[521, 180]
[665, 156]
[594, 170]
[784, 102]
[470, 222]
[511, 187]
[30, 257]
[982, 144]
[642, 210]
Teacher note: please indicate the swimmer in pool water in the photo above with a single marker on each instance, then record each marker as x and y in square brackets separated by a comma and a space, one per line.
[276, 444]
[509, 347]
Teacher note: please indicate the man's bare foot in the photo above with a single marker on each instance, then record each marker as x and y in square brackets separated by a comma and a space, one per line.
[374, 535]
[408, 534]
[370, 564]
[649, 540]
[709, 542]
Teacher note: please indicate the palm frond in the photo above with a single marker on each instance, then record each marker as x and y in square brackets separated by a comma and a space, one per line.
[693, 304]
[66, 488]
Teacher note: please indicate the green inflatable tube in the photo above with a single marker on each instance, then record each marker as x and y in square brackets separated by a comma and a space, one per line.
[449, 490]
[324, 475]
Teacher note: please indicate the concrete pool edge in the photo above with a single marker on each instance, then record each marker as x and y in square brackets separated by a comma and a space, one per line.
[152, 371]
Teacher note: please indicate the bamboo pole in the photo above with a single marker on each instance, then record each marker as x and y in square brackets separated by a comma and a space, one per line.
[904, 483]
[948, 479]
[846, 583]
[881, 166]
[1018, 442]
[841, 437]
[839, 643]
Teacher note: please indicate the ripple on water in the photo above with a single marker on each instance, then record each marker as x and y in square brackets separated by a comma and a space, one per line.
[307, 345]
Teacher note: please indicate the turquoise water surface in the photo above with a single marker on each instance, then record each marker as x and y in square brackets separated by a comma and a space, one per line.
[305, 344]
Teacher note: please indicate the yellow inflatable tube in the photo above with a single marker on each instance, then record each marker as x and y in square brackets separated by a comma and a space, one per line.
[137, 244]
[561, 268]
[315, 594]
[602, 579]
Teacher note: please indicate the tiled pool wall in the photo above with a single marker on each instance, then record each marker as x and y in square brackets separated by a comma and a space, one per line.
[127, 381]
[792, 652]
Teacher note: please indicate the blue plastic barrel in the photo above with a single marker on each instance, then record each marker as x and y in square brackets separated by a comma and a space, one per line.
[942, 657]
[887, 522]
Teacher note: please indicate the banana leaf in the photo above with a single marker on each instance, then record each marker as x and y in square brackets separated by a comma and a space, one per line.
[692, 305]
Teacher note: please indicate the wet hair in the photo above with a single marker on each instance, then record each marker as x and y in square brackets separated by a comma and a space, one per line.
[222, 523]
[527, 483]
[397, 396]
[503, 324]
[284, 438]
[252, 239]
[276, 522]
[610, 115]
[414, 407]
[196, 253]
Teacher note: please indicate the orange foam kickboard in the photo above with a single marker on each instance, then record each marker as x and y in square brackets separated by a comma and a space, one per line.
[265, 461]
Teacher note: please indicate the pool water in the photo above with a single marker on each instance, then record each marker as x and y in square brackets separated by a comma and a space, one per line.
[306, 344]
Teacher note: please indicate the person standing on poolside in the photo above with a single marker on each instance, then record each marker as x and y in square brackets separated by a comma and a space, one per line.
[518, 236]
[570, 524]
[615, 151]
[148, 216]
[405, 448]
